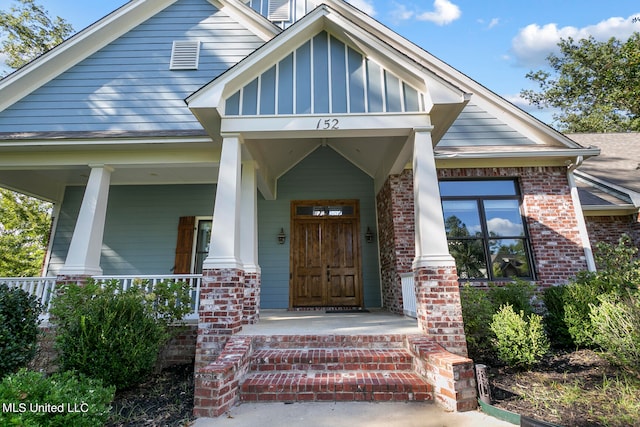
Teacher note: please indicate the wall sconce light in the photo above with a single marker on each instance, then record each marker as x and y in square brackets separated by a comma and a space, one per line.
[281, 237]
[369, 235]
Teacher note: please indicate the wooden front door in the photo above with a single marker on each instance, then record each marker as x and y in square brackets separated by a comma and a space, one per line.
[325, 254]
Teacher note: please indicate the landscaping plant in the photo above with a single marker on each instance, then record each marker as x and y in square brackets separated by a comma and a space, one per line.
[115, 334]
[19, 331]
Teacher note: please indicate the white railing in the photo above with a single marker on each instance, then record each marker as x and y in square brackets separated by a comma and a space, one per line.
[42, 287]
[408, 294]
[194, 281]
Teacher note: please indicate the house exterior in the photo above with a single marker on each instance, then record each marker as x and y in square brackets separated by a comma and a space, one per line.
[290, 155]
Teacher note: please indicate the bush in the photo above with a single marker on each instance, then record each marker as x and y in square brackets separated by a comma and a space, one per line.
[477, 311]
[616, 323]
[517, 294]
[19, 331]
[519, 342]
[63, 399]
[554, 318]
[618, 273]
[115, 335]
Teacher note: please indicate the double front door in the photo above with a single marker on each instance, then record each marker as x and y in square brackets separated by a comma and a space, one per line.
[325, 254]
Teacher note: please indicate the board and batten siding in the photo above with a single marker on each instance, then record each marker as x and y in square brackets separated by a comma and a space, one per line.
[141, 226]
[322, 175]
[128, 85]
[476, 127]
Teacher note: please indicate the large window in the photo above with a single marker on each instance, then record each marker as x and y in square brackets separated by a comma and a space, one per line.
[486, 232]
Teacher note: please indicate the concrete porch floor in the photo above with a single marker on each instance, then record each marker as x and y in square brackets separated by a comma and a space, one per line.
[375, 322]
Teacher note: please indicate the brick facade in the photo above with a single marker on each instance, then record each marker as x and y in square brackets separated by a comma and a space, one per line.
[251, 303]
[609, 229]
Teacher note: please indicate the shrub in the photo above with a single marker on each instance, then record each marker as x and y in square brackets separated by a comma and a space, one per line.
[477, 311]
[517, 294]
[616, 323]
[19, 331]
[519, 342]
[618, 273]
[115, 335]
[554, 318]
[72, 399]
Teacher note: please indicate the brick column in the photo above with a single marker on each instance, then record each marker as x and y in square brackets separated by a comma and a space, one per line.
[220, 312]
[251, 305]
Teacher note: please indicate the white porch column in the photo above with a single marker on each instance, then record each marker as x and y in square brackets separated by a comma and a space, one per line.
[224, 249]
[249, 218]
[83, 258]
[431, 238]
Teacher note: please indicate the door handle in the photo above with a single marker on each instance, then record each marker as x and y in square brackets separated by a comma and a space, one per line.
[328, 273]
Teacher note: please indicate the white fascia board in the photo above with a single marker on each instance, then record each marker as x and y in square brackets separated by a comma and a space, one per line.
[493, 103]
[609, 210]
[256, 23]
[75, 49]
[566, 154]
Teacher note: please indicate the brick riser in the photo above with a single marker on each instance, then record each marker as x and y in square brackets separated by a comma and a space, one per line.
[372, 370]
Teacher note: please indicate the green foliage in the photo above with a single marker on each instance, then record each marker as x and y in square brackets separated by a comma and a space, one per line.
[517, 293]
[554, 318]
[618, 273]
[520, 341]
[595, 85]
[27, 32]
[616, 323]
[114, 334]
[477, 312]
[24, 230]
[78, 401]
[19, 331]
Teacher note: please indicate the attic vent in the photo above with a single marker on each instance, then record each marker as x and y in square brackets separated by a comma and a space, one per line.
[185, 55]
[279, 10]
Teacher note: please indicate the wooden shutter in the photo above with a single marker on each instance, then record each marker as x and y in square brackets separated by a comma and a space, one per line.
[184, 246]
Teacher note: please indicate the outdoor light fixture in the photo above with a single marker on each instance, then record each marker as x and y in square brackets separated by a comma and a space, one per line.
[282, 237]
[369, 235]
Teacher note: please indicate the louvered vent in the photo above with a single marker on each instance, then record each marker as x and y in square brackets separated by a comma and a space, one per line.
[185, 55]
[279, 10]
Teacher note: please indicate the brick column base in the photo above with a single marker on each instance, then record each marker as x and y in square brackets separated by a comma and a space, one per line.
[438, 307]
[220, 312]
[251, 308]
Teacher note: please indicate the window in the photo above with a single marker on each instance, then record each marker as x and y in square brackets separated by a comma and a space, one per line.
[486, 232]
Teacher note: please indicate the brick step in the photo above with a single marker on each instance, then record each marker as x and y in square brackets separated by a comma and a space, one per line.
[331, 341]
[335, 386]
[320, 359]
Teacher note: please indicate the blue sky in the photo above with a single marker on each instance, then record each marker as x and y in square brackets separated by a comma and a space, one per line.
[495, 42]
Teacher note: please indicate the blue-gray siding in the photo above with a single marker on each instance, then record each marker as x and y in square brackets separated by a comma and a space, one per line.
[127, 85]
[141, 226]
[324, 174]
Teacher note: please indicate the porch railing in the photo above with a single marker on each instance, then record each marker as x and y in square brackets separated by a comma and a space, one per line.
[194, 281]
[44, 287]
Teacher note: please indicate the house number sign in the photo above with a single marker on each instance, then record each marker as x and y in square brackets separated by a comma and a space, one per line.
[328, 124]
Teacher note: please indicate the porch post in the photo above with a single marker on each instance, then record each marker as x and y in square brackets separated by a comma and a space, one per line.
[222, 288]
[437, 291]
[249, 243]
[83, 258]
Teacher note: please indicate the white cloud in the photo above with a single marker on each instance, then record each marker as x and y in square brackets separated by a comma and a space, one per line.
[493, 23]
[534, 42]
[504, 227]
[364, 5]
[401, 13]
[445, 13]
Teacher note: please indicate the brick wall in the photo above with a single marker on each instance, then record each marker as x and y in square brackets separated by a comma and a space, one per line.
[551, 219]
[396, 225]
[608, 229]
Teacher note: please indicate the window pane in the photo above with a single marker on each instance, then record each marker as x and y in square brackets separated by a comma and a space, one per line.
[461, 218]
[503, 218]
[478, 188]
[509, 258]
[470, 258]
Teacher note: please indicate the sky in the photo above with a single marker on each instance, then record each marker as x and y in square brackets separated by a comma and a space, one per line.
[494, 42]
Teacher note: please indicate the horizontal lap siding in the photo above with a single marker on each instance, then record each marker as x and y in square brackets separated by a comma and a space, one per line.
[475, 126]
[127, 85]
[141, 225]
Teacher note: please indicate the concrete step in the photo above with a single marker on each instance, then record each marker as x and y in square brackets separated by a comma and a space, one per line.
[331, 359]
[372, 386]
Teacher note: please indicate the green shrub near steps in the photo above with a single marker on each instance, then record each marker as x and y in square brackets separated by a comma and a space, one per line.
[66, 399]
[19, 331]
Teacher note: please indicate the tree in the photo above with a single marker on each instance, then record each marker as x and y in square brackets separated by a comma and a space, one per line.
[595, 85]
[24, 231]
[29, 32]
